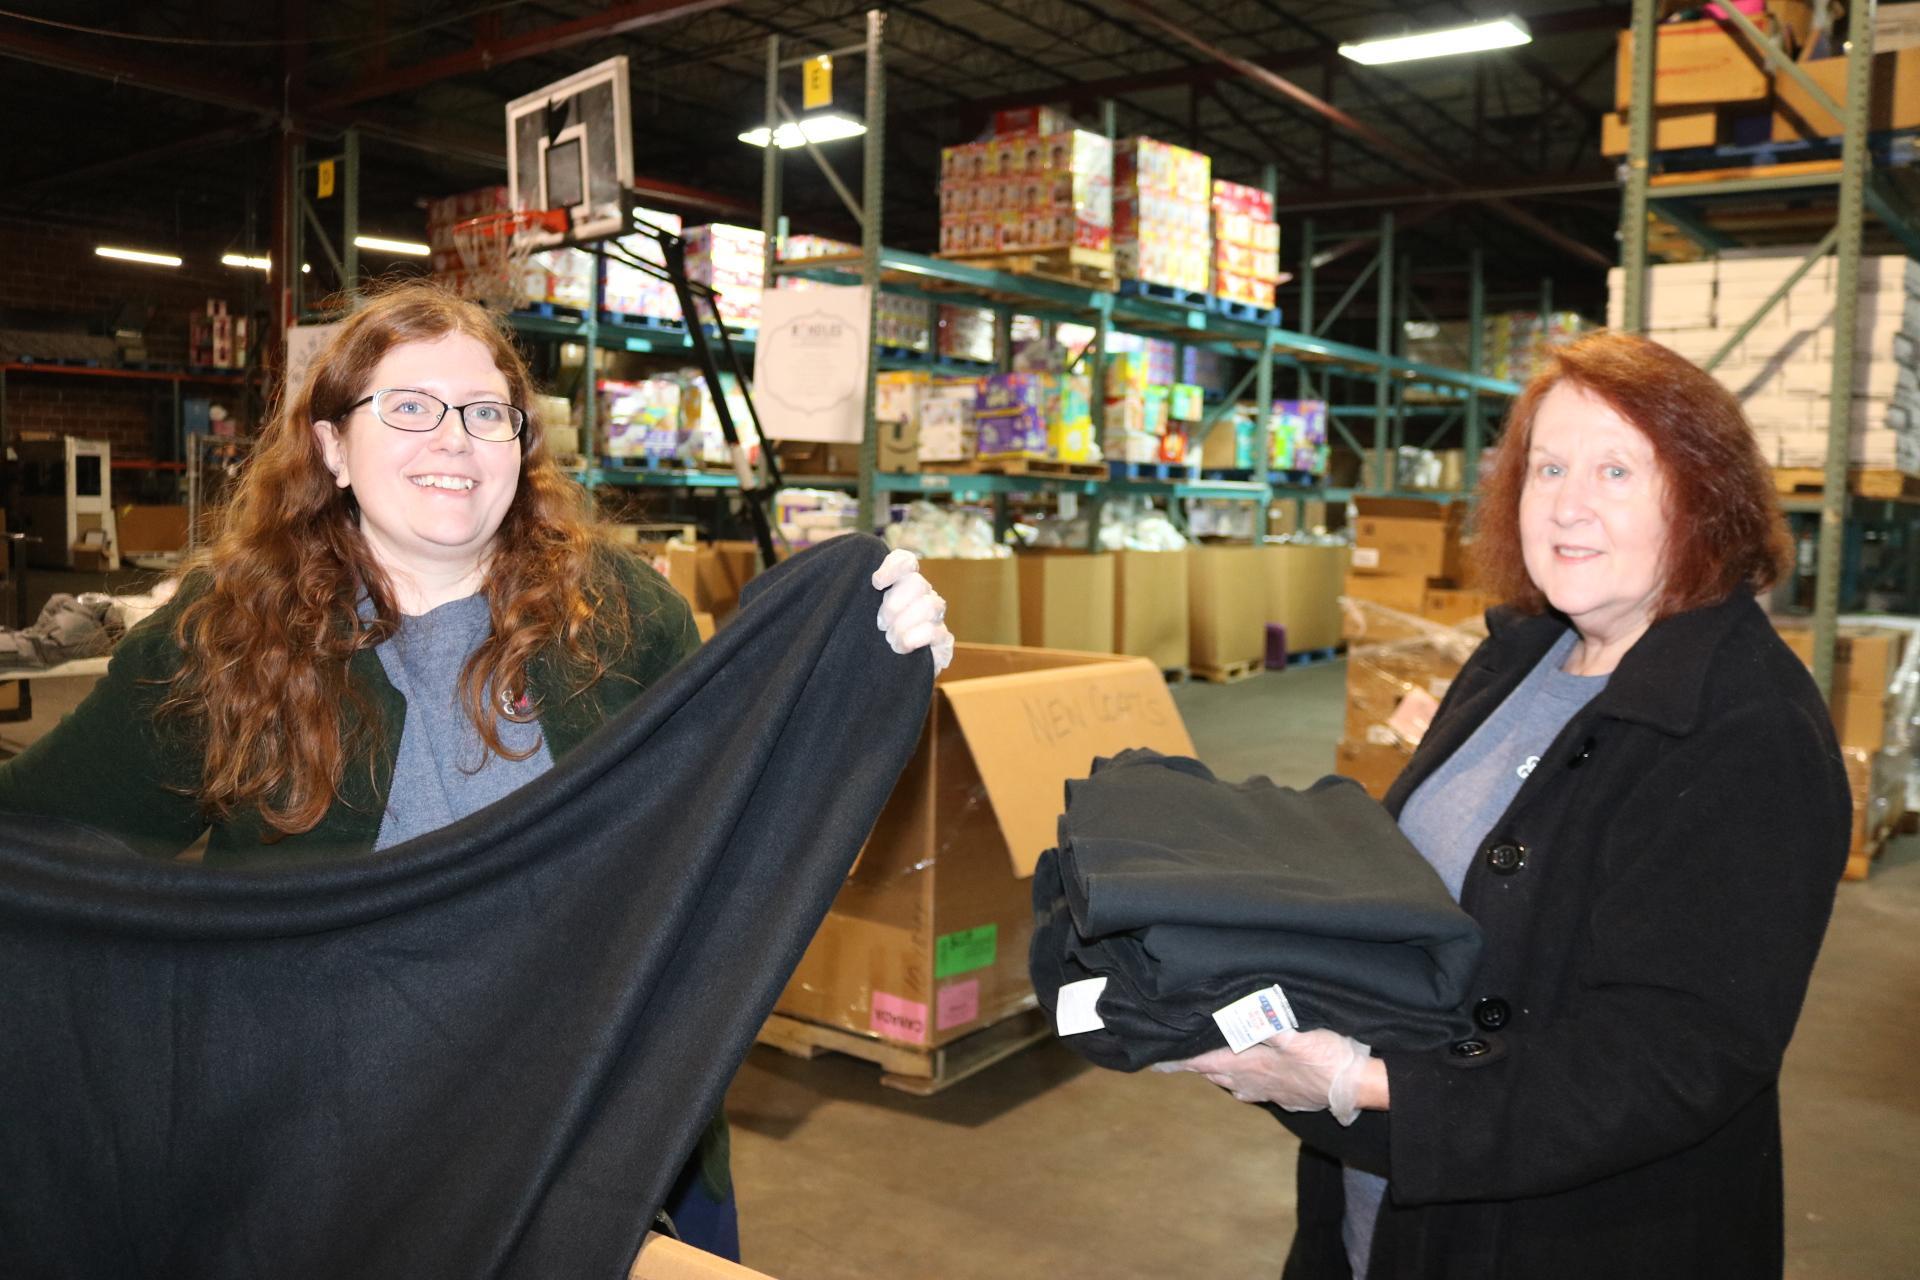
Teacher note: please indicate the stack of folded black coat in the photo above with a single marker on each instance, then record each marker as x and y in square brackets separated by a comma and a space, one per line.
[1187, 893]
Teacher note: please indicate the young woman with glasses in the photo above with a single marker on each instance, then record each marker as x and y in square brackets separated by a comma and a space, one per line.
[406, 613]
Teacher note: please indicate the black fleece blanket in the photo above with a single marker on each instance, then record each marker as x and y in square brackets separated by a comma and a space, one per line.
[486, 1052]
[1187, 893]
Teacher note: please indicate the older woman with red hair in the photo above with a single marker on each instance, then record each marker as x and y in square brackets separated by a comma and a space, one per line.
[1634, 787]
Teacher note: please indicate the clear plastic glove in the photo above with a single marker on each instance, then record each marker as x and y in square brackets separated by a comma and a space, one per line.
[911, 612]
[1296, 1071]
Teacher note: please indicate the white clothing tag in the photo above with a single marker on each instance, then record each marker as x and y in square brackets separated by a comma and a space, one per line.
[1073, 1010]
[1255, 1018]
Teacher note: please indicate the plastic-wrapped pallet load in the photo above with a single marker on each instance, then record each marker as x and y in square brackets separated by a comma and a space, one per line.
[1027, 192]
[733, 261]
[1163, 214]
[1246, 244]
[1399, 668]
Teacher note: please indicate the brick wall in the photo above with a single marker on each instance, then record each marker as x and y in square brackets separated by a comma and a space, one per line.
[53, 270]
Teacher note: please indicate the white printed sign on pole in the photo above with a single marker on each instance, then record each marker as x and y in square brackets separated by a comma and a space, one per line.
[810, 366]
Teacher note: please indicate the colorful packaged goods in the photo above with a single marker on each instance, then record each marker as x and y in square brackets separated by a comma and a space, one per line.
[1162, 214]
[1297, 436]
[1033, 192]
[1010, 414]
[946, 420]
[1246, 244]
[904, 322]
[1070, 420]
[965, 333]
[732, 260]
[643, 420]
[1035, 121]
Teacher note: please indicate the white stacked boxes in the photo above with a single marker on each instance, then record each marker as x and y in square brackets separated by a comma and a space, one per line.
[1782, 371]
[632, 292]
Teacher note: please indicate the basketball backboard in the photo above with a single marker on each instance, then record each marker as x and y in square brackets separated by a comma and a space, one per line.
[570, 146]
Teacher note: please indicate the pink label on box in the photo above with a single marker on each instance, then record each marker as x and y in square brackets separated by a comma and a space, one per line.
[899, 1019]
[958, 1002]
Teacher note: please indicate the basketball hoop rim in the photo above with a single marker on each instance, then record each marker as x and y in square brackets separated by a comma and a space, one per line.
[512, 222]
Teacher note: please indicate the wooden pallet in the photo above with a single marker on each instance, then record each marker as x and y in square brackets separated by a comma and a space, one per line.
[1028, 464]
[910, 1068]
[1087, 268]
[1800, 481]
[1230, 673]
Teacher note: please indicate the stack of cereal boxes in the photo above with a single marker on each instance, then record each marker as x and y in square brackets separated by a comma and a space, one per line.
[1246, 245]
[1163, 214]
[1027, 192]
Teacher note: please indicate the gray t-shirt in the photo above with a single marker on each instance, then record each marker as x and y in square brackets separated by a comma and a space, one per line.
[1449, 814]
[442, 771]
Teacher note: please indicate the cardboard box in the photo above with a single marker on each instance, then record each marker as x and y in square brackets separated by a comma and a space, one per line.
[983, 598]
[710, 577]
[1454, 605]
[1151, 609]
[1893, 104]
[1382, 678]
[1673, 129]
[1303, 592]
[663, 1259]
[148, 530]
[1709, 62]
[9, 696]
[1372, 765]
[1864, 658]
[927, 940]
[809, 458]
[899, 447]
[1227, 606]
[1066, 600]
[1407, 538]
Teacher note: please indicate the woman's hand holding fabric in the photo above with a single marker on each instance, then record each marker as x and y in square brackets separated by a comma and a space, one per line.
[911, 612]
[1296, 1071]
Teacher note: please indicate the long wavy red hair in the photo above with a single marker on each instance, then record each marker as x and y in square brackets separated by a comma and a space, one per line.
[1726, 531]
[271, 619]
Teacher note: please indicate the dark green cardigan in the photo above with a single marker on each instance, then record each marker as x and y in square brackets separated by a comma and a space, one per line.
[111, 765]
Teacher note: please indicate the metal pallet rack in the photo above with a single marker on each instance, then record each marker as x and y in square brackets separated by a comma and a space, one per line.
[1858, 189]
[939, 280]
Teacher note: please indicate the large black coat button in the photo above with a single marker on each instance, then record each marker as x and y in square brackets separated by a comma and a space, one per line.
[1469, 1048]
[1505, 859]
[1492, 1013]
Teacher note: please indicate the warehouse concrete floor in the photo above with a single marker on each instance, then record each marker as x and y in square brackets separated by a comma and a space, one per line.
[1042, 1166]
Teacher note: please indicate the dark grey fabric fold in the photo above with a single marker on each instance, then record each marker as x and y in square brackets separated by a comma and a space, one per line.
[1186, 892]
[484, 1052]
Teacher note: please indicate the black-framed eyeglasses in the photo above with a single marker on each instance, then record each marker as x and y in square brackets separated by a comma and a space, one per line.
[407, 410]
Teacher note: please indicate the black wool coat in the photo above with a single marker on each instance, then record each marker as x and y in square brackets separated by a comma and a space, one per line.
[1653, 901]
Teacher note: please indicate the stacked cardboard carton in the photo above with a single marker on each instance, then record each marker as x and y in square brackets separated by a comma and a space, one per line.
[1141, 423]
[1162, 214]
[1408, 557]
[1782, 370]
[1872, 701]
[217, 339]
[1027, 192]
[1043, 415]
[1709, 84]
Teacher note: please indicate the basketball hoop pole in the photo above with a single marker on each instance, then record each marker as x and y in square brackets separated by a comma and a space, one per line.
[673, 250]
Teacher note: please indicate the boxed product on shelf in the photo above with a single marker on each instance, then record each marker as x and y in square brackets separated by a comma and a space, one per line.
[633, 292]
[965, 333]
[1034, 192]
[927, 941]
[642, 420]
[1010, 414]
[801, 248]
[1708, 61]
[904, 322]
[1408, 537]
[1066, 600]
[701, 417]
[1024, 121]
[947, 432]
[1893, 104]
[808, 517]
[1246, 244]
[732, 260]
[1297, 437]
[1162, 214]
[1229, 443]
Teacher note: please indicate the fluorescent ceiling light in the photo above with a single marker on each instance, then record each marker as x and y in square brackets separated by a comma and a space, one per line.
[134, 255]
[828, 127]
[412, 248]
[1503, 33]
[241, 260]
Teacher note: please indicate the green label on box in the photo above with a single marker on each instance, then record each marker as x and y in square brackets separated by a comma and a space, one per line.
[965, 950]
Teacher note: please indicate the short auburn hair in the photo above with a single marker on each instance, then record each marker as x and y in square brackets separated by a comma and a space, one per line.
[1725, 529]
